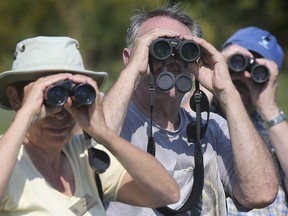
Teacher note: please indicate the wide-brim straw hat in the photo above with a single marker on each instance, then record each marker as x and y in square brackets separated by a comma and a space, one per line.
[45, 55]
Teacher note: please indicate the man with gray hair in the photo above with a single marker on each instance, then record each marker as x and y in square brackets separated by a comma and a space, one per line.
[164, 49]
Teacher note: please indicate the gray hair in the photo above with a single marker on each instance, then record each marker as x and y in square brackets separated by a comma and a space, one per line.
[173, 12]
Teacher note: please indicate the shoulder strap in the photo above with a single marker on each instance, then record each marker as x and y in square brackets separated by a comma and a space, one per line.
[99, 162]
[197, 187]
[99, 186]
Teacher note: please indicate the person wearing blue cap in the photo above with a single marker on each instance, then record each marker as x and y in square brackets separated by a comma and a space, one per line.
[260, 101]
[255, 59]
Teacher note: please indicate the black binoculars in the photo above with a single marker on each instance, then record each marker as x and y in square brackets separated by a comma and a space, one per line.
[186, 50]
[240, 63]
[82, 94]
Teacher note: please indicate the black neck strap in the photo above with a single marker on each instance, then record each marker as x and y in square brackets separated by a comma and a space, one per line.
[197, 187]
[151, 142]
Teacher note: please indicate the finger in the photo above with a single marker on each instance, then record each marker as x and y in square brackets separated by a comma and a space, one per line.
[155, 33]
[148, 38]
[48, 80]
[43, 83]
[235, 49]
[205, 46]
[78, 78]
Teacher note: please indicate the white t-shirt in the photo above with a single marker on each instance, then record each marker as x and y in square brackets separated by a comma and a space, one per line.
[177, 155]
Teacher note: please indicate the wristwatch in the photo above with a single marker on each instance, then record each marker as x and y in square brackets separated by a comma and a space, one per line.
[280, 118]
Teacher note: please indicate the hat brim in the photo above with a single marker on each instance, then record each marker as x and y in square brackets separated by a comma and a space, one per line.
[12, 76]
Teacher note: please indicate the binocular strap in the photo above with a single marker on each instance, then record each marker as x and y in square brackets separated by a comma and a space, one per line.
[196, 191]
[99, 161]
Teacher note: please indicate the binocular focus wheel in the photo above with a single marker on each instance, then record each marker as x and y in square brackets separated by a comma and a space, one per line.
[165, 81]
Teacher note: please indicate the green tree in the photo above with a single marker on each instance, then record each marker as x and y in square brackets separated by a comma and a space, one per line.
[100, 27]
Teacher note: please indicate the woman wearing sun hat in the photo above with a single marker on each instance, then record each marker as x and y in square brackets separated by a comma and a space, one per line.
[44, 166]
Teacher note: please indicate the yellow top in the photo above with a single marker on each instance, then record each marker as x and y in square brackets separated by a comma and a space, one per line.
[28, 193]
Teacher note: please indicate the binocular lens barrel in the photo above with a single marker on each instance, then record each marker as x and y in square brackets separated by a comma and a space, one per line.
[240, 63]
[260, 74]
[84, 94]
[163, 48]
[56, 96]
[189, 51]
[237, 63]
[81, 94]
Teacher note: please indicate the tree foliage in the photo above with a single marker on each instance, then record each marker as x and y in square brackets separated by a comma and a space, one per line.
[100, 25]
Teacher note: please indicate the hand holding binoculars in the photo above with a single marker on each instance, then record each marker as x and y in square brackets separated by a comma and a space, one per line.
[239, 63]
[82, 94]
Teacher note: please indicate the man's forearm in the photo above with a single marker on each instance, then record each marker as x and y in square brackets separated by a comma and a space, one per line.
[117, 99]
[256, 174]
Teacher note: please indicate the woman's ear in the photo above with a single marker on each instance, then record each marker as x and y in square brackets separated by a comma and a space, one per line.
[126, 56]
[14, 98]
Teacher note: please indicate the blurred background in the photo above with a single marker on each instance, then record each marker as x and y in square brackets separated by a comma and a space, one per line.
[100, 27]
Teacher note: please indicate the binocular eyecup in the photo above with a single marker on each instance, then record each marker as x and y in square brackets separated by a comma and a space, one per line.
[240, 63]
[186, 50]
[82, 94]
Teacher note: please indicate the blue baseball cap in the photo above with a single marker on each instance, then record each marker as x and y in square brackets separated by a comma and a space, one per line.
[259, 41]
